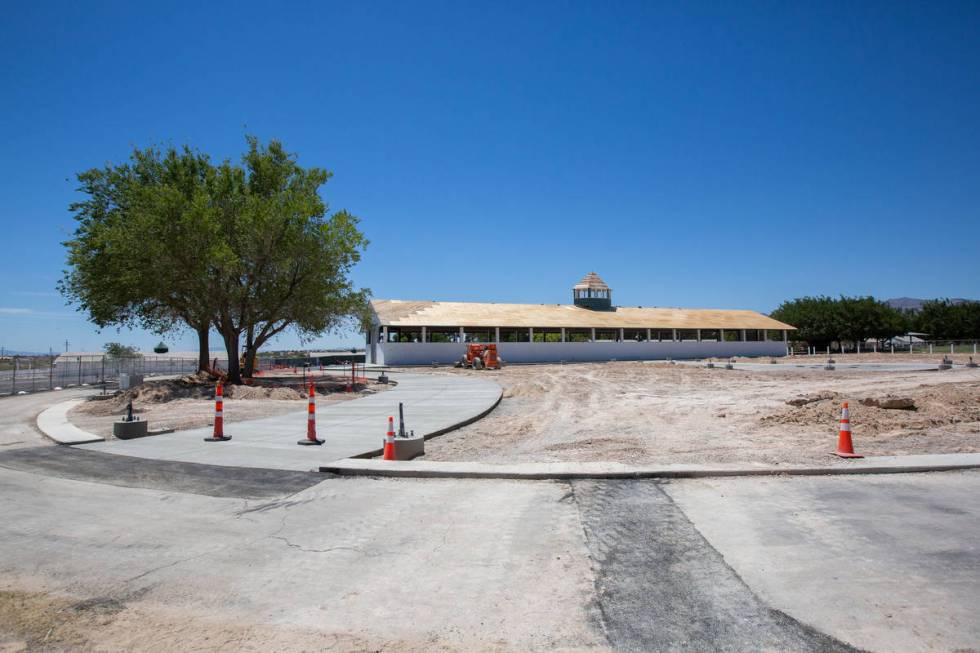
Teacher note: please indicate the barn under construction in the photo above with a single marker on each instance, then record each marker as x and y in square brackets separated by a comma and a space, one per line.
[591, 328]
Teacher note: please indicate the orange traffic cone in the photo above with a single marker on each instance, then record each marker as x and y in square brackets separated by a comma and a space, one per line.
[390, 440]
[311, 420]
[219, 420]
[845, 448]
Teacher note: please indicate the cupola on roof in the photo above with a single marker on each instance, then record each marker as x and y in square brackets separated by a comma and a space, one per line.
[591, 281]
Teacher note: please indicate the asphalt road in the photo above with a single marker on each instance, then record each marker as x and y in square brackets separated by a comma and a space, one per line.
[18, 417]
[660, 586]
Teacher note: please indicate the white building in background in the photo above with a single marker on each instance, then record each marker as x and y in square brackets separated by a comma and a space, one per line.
[589, 329]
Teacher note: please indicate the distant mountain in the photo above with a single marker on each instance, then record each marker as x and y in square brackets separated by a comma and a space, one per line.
[914, 304]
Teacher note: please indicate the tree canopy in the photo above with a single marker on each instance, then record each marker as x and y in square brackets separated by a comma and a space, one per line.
[169, 239]
[119, 350]
[822, 320]
[941, 319]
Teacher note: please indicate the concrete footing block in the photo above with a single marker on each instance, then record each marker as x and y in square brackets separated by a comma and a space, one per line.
[124, 430]
[409, 448]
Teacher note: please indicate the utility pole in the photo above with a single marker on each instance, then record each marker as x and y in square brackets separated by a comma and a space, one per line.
[66, 346]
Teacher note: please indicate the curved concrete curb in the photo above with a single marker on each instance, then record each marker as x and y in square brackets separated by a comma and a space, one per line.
[53, 422]
[566, 471]
[452, 427]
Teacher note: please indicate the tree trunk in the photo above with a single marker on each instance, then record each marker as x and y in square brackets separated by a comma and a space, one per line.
[231, 346]
[203, 351]
[248, 369]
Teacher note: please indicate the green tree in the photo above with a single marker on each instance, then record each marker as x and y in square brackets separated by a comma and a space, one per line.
[119, 350]
[861, 318]
[941, 319]
[821, 321]
[815, 319]
[288, 261]
[169, 239]
[141, 252]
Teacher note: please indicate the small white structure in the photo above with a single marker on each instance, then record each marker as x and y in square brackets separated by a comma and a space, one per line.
[589, 329]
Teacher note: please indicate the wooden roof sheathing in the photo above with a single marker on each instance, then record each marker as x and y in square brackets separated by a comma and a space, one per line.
[394, 312]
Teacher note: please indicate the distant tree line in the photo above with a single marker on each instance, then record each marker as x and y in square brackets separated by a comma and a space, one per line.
[821, 321]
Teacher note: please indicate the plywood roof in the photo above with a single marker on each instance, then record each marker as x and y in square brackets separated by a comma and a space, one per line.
[394, 312]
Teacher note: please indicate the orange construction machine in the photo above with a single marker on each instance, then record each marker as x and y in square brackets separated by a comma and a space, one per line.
[480, 357]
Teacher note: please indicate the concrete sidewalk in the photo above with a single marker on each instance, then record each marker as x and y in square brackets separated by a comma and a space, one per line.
[433, 405]
[54, 423]
[611, 470]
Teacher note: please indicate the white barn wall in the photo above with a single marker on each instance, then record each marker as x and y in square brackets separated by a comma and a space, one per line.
[426, 353]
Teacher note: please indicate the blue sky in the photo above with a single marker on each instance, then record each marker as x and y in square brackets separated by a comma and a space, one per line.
[727, 155]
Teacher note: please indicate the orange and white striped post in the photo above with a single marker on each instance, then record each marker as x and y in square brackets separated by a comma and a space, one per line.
[219, 418]
[311, 419]
[845, 447]
[389, 450]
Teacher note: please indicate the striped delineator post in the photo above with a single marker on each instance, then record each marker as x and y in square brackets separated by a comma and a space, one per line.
[389, 450]
[219, 418]
[845, 447]
[311, 419]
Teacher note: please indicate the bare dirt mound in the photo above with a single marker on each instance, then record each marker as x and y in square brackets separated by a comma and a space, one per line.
[916, 410]
[192, 386]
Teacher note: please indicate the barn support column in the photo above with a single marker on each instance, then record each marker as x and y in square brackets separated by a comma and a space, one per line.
[563, 334]
[699, 335]
[424, 336]
[496, 334]
[593, 334]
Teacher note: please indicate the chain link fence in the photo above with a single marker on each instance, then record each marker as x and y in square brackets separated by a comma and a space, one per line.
[893, 346]
[26, 374]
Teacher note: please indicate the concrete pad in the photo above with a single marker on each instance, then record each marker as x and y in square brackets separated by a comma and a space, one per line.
[433, 404]
[349, 564]
[54, 423]
[573, 470]
[884, 563]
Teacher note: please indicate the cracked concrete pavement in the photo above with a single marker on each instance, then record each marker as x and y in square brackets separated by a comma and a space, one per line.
[365, 563]
[446, 564]
[115, 553]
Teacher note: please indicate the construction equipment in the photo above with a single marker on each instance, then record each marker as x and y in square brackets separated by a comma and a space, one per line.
[480, 356]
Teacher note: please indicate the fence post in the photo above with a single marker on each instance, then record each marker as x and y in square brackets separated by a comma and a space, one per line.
[51, 373]
[33, 380]
[13, 380]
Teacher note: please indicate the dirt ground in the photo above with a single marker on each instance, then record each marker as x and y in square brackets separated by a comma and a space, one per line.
[646, 412]
[36, 621]
[188, 402]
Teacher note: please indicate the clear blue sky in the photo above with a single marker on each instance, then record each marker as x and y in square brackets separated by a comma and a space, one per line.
[727, 155]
